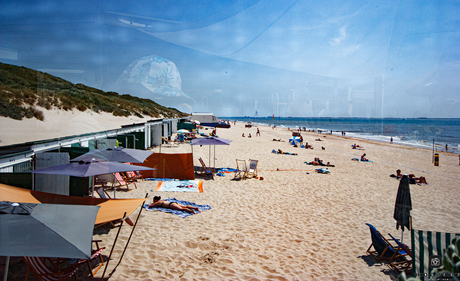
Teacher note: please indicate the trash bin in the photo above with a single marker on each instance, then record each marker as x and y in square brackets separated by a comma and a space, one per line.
[436, 159]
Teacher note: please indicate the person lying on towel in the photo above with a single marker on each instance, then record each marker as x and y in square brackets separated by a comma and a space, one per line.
[157, 202]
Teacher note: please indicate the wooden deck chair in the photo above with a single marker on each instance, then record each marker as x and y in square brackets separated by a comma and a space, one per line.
[398, 261]
[47, 269]
[252, 168]
[121, 181]
[383, 250]
[96, 255]
[133, 175]
[205, 170]
[241, 171]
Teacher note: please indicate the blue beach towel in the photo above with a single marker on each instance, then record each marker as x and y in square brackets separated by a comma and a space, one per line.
[182, 214]
[322, 171]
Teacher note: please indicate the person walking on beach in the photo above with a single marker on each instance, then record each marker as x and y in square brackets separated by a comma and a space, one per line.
[391, 139]
[157, 202]
[258, 132]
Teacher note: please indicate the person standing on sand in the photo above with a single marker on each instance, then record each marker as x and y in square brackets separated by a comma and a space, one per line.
[258, 132]
[391, 139]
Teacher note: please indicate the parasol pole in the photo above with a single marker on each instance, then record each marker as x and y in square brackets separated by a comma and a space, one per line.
[92, 186]
[113, 246]
[132, 231]
[7, 264]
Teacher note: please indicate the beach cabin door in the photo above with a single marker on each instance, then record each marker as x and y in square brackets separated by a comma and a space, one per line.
[56, 184]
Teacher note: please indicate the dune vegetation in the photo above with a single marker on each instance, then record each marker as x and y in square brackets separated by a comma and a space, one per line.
[25, 93]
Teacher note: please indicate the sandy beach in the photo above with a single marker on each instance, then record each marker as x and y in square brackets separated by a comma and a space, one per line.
[294, 224]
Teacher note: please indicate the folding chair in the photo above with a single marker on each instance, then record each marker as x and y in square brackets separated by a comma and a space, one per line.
[401, 264]
[133, 175]
[252, 169]
[205, 170]
[121, 181]
[241, 171]
[48, 269]
[383, 250]
[94, 256]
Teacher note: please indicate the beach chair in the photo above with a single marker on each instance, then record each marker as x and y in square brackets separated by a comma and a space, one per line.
[50, 269]
[205, 170]
[133, 175]
[383, 250]
[241, 171]
[252, 168]
[120, 180]
[400, 263]
[96, 255]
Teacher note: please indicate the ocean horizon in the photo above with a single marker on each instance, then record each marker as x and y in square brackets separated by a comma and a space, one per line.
[430, 133]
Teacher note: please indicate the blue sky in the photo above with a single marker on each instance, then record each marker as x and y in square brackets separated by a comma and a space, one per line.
[233, 58]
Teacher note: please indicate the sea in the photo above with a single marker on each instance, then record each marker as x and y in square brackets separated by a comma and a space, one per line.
[430, 133]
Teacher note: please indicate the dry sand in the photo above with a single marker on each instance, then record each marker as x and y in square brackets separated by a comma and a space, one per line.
[59, 123]
[294, 224]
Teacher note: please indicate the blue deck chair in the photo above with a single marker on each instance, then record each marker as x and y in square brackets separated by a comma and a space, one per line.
[383, 250]
[398, 261]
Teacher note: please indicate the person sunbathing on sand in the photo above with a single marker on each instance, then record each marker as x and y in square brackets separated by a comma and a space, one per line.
[363, 157]
[282, 152]
[157, 202]
[414, 180]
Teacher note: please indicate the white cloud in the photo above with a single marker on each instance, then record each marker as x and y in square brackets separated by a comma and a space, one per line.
[342, 35]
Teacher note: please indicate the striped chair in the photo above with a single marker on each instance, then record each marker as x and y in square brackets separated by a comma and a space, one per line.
[96, 254]
[48, 269]
[133, 175]
[121, 181]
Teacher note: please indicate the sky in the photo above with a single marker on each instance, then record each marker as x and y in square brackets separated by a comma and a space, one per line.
[343, 58]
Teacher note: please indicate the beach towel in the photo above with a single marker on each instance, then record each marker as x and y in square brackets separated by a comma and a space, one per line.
[180, 185]
[225, 170]
[182, 214]
[322, 171]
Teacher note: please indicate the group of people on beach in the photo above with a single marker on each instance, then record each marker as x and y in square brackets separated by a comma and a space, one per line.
[412, 178]
[319, 162]
[257, 134]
